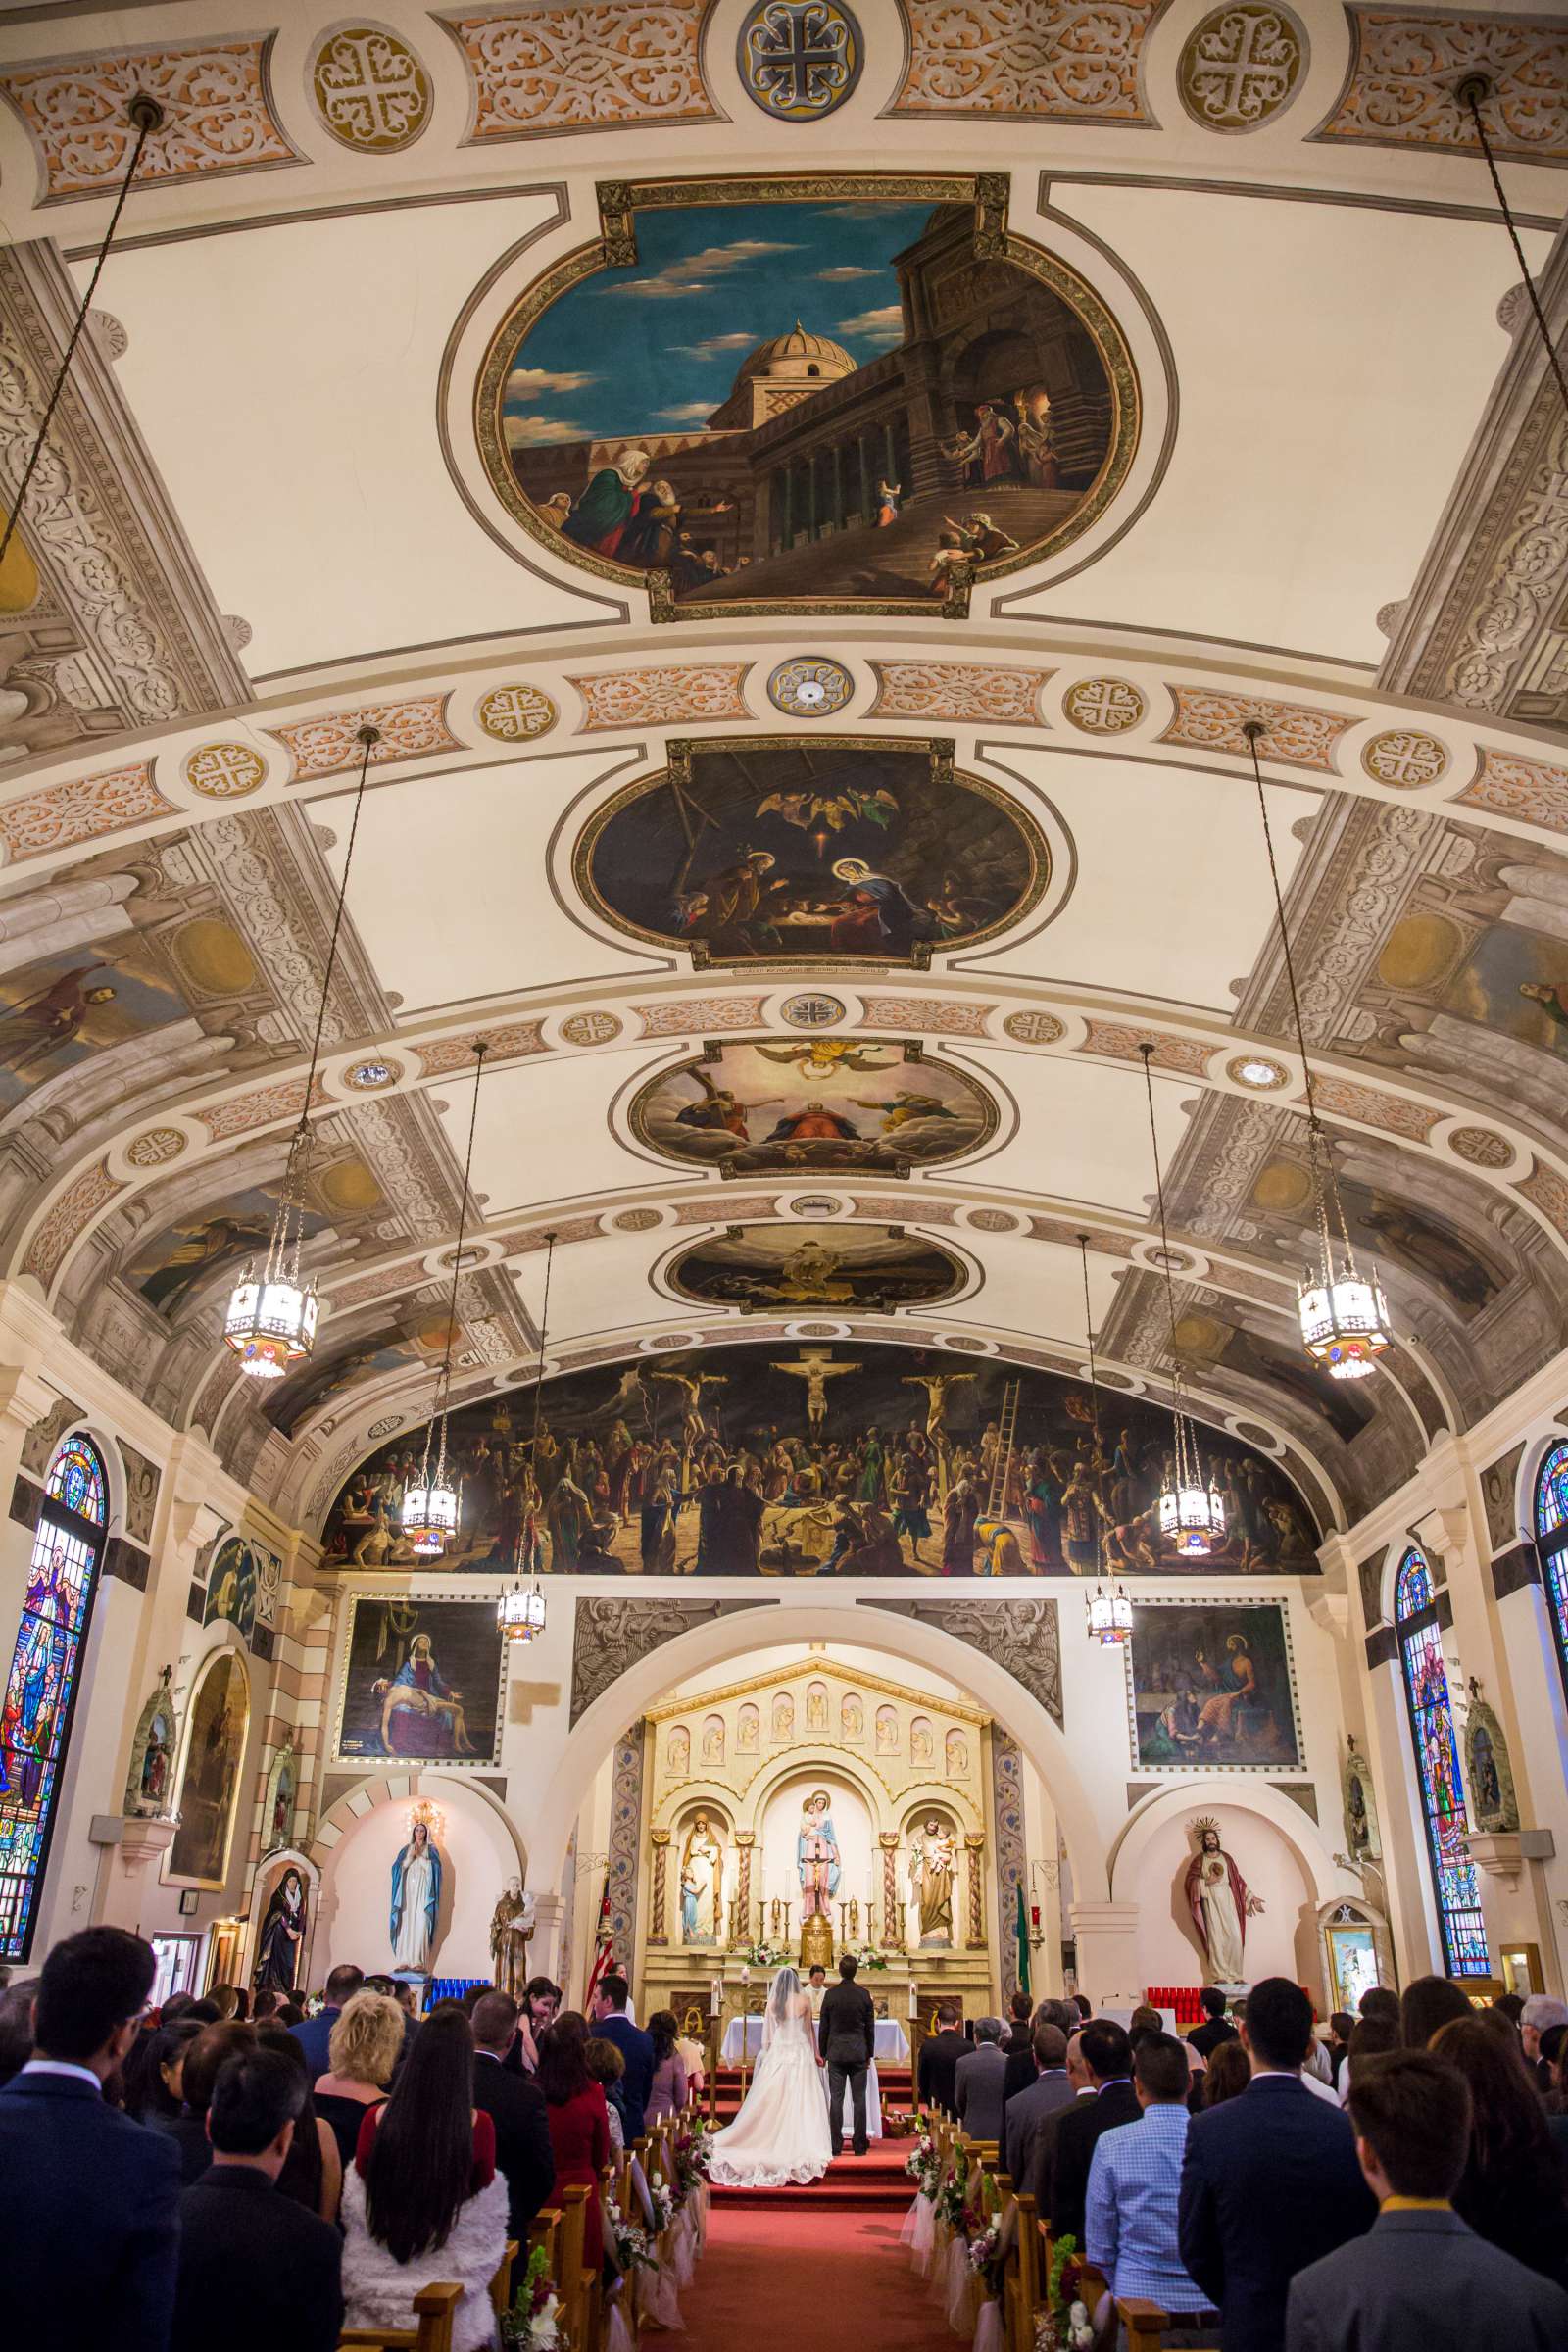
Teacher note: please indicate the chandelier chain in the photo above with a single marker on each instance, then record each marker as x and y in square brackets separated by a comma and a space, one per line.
[480, 1050]
[368, 738]
[1183, 1446]
[544, 1327]
[147, 116]
[1470, 93]
[1094, 1387]
[1254, 729]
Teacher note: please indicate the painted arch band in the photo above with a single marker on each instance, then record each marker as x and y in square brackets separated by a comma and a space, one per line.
[837, 394]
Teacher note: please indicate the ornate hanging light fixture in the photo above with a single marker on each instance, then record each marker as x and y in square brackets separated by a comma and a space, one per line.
[1110, 1613]
[270, 1323]
[146, 117]
[520, 1614]
[1192, 1515]
[1342, 1313]
[432, 1504]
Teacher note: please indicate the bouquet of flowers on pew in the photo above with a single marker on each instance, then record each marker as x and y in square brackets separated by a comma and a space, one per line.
[631, 2244]
[690, 2150]
[533, 2324]
[662, 2201]
[987, 2255]
[952, 2195]
[923, 2165]
[1064, 2325]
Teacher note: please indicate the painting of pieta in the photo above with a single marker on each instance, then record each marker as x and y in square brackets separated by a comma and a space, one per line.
[802, 395]
[833, 850]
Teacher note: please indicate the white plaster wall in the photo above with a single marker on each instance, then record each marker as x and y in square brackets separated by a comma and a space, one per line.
[477, 1859]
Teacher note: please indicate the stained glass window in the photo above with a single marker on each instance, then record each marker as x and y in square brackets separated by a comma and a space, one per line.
[40, 1688]
[1552, 1538]
[1437, 1764]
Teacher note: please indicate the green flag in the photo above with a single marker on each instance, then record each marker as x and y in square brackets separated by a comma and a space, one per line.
[1022, 1932]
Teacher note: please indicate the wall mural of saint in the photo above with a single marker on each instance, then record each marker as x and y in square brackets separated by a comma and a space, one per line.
[830, 849]
[852, 1459]
[872, 1268]
[209, 1789]
[421, 1680]
[1211, 1685]
[835, 400]
[831, 1105]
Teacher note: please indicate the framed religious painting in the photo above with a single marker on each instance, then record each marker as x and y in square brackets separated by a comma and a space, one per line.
[1211, 1687]
[210, 1785]
[422, 1680]
[856, 394]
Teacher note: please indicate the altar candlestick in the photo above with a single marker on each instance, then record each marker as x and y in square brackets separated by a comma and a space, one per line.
[914, 1998]
[715, 1996]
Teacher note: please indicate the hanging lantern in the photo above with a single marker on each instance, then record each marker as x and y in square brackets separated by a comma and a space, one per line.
[433, 1506]
[520, 1615]
[1192, 1515]
[271, 1322]
[1342, 1313]
[1110, 1616]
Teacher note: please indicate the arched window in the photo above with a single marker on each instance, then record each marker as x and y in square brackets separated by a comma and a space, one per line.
[1551, 1541]
[41, 1686]
[1437, 1765]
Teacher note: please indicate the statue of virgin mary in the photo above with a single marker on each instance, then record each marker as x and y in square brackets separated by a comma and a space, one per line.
[415, 1900]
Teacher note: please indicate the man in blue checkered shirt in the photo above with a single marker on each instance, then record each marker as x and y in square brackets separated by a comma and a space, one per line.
[1130, 2215]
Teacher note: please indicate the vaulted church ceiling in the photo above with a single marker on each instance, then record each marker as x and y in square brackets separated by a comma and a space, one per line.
[809, 579]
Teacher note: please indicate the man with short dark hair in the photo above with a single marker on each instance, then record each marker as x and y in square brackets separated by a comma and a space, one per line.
[846, 2037]
[17, 2004]
[635, 2046]
[937, 2071]
[1217, 2026]
[1024, 2113]
[256, 2269]
[1270, 2182]
[1420, 2281]
[314, 2033]
[1134, 2183]
[516, 2108]
[1107, 2058]
[978, 2079]
[88, 2199]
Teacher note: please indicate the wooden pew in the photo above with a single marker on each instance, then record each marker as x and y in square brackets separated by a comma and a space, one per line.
[434, 2308]
[571, 2279]
[501, 2283]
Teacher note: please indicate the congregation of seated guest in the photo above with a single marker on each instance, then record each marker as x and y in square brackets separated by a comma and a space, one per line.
[256, 2269]
[363, 2047]
[668, 2093]
[422, 2202]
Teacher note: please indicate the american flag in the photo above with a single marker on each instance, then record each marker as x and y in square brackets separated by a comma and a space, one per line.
[604, 1949]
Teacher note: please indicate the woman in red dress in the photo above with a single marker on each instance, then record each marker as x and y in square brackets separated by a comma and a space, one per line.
[579, 2121]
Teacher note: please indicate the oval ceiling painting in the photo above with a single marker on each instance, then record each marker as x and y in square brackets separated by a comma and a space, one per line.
[824, 1105]
[828, 849]
[822, 395]
[871, 1268]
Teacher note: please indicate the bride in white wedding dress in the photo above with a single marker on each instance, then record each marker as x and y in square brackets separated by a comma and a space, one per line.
[780, 2135]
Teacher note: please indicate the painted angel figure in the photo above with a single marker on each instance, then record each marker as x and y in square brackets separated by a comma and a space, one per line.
[816, 1857]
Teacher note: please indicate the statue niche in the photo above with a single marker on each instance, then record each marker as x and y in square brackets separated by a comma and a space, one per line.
[702, 1883]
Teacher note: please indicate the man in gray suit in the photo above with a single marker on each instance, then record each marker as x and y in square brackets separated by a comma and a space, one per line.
[979, 2080]
[1027, 2110]
[1420, 2277]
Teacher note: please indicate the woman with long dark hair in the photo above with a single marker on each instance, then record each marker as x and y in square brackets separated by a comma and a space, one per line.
[541, 2002]
[579, 2121]
[1514, 2190]
[669, 2095]
[422, 2203]
[312, 2169]
[154, 2071]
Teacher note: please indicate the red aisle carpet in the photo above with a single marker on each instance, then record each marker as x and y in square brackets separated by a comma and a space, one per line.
[800, 2267]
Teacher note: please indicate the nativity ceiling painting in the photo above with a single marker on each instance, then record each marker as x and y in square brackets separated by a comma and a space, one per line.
[806, 1457]
[847, 849]
[833, 402]
[822, 1106]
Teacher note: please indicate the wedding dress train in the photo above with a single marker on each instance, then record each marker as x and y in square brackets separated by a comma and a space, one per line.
[780, 2136]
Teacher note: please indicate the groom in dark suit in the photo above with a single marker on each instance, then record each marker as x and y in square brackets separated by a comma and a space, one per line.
[847, 2040]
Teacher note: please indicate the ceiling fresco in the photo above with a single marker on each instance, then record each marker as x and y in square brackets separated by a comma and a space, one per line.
[832, 1105]
[811, 616]
[812, 1457]
[810, 403]
[824, 852]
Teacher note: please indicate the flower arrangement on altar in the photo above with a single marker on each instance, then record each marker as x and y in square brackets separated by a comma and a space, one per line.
[766, 1955]
[870, 1956]
[1064, 2323]
[533, 2324]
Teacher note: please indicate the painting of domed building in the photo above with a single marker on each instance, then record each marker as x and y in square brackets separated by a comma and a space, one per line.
[811, 403]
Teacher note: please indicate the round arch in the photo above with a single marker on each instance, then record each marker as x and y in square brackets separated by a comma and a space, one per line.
[396, 1788]
[907, 1638]
[1239, 1793]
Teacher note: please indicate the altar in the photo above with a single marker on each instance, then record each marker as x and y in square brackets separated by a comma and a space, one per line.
[743, 2036]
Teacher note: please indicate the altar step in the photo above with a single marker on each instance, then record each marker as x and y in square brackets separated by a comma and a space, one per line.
[897, 2084]
[875, 2182]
